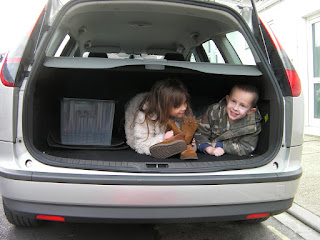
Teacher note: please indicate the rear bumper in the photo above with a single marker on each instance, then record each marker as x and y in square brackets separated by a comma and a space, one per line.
[72, 213]
[153, 198]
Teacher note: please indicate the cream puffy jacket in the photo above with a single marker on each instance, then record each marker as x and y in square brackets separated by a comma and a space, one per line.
[136, 129]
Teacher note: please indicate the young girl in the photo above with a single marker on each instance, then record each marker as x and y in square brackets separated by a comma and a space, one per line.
[150, 115]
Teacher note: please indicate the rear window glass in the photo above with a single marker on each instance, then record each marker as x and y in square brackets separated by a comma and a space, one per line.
[62, 46]
[231, 48]
[241, 47]
[213, 53]
[123, 56]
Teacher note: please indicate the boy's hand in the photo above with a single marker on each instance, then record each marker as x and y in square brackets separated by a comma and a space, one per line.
[215, 151]
[218, 151]
[168, 134]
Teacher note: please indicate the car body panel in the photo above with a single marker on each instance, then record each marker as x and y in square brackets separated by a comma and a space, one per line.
[31, 185]
[7, 117]
[148, 214]
[294, 120]
[156, 196]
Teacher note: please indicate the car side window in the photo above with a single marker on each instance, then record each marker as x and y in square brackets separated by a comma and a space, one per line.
[241, 47]
[192, 58]
[213, 52]
[62, 46]
[230, 48]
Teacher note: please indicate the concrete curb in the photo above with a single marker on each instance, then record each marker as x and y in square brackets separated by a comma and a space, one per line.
[303, 215]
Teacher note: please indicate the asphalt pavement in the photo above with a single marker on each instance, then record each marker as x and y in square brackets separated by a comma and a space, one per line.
[306, 205]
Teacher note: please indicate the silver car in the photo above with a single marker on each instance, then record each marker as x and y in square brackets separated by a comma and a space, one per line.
[64, 88]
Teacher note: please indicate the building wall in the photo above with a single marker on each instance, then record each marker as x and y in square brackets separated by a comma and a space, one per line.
[289, 19]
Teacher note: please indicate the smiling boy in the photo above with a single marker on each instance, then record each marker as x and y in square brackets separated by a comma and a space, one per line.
[232, 125]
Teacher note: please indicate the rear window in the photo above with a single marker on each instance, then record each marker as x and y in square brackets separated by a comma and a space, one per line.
[123, 56]
[241, 47]
[213, 53]
[231, 48]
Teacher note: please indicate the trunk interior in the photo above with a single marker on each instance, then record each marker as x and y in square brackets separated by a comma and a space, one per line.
[43, 119]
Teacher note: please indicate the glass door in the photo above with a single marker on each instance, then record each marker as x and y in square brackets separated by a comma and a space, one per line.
[314, 72]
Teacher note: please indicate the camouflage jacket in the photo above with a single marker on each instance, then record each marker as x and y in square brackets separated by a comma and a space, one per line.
[240, 139]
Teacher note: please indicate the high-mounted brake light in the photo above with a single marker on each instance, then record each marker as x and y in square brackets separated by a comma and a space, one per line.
[292, 75]
[50, 218]
[258, 215]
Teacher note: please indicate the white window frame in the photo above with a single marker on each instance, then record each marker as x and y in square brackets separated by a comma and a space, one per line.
[313, 122]
[262, 4]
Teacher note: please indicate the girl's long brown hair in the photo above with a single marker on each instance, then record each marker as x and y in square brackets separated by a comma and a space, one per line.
[164, 95]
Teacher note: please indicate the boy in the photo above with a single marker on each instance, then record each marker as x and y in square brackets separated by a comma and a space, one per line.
[232, 125]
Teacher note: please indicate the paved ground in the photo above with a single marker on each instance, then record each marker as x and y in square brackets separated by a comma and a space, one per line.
[308, 195]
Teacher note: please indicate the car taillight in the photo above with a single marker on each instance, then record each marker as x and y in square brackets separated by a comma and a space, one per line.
[292, 75]
[8, 70]
[294, 81]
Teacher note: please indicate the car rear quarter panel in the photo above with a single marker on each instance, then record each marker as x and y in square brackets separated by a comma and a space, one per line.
[7, 116]
[294, 120]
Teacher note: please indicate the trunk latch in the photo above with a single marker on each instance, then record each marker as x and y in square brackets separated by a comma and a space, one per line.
[157, 165]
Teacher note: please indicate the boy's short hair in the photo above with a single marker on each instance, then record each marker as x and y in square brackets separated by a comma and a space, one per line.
[248, 88]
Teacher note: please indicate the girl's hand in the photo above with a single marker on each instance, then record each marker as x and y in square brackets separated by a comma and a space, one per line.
[168, 134]
[193, 143]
